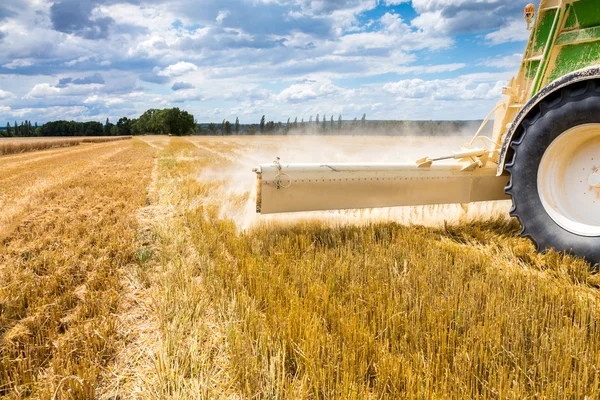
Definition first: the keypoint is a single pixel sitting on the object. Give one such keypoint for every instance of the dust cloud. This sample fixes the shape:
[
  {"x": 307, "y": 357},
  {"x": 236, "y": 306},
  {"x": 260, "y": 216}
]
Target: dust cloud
[{"x": 237, "y": 195}]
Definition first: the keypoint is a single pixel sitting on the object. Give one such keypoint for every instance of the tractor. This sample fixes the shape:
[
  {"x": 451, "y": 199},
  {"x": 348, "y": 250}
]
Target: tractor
[{"x": 543, "y": 154}]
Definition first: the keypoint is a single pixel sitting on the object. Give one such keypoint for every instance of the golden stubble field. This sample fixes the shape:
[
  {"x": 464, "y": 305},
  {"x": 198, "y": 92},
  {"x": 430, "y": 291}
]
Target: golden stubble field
[
  {"x": 136, "y": 269},
  {"x": 24, "y": 145}
]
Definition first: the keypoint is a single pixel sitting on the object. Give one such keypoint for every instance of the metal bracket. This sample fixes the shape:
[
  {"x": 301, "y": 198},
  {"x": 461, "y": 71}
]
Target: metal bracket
[{"x": 278, "y": 181}]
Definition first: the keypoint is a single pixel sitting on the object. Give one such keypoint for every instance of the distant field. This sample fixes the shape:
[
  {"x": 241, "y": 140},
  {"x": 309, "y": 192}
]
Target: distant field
[
  {"x": 137, "y": 269},
  {"x": 24, "y": 145},
  {"x": 57, "y": 138}
]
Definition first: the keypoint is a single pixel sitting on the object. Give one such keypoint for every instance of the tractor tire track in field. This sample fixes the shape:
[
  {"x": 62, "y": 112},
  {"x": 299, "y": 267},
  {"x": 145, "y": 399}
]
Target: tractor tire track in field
[
  {"x": 12, "y": 170},
  {"x": 153, "y": 143},
  {"x": 20, "y": 159},
  {"x": 13, "y": 212},
  {"x": 128, "y": 373},
  {"x": 59, "y": 276},
  {"x": 213, "y": 151},
  {"x": 165, "y": 342}
]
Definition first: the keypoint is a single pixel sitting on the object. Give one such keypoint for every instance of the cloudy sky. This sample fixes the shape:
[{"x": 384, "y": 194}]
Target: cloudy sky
[{"x": 391, "y": 59}]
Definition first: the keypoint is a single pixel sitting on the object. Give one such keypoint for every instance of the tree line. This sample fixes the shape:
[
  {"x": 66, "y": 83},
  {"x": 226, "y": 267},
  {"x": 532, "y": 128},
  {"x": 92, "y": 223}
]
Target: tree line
[
  {"x": 321, "y": 125},
  {"x": 24, "y": 130},
  {"x": 159, "y": 122},
  {"x": 264, "y": 127},
  {"x": 179, "y": 122}
]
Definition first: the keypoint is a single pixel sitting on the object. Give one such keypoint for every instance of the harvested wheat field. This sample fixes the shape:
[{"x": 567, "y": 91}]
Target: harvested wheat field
[
  {"x": 137, "y": 269},
  {"x": 24, "y": 145}
]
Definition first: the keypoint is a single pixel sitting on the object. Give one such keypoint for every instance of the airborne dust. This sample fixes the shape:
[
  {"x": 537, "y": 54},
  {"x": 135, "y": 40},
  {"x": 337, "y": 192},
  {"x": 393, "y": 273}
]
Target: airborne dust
[{"x": 237, "y": 194}]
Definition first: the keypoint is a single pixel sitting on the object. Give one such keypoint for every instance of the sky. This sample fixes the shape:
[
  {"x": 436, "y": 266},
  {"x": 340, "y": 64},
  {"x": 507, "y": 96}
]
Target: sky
[{"x": 90, "y": 60}]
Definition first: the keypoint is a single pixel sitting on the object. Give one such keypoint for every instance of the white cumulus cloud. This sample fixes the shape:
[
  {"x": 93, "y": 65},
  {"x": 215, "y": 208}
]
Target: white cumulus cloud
[
  {"x": 511, "y": 62},
  {"x": 221, "y": 16},
  {"x": 515, "y": 31},
  {"x": 464, "y": 16},
  {"x": 109, "y": 101},
  {"x": 19, "y": 63},
  {"x": 5, "y": 95},
  {"x": 181, "y": 68},
  {"x": 394, "y": 2},
  {"x": 308, "y": 91},
  {"x": 462, "y": 88},
  {"x": 43, "y": 90},
  {"x": 275, "y": 57}
]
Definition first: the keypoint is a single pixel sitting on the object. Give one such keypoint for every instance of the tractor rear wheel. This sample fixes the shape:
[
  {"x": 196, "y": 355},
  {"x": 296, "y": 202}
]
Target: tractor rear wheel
[{"x": 555, "y": 173}]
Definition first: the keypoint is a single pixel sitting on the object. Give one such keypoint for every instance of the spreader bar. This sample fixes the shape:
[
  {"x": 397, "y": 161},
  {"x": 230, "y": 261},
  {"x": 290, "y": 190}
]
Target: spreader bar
[{"x": 311, "y": 187}]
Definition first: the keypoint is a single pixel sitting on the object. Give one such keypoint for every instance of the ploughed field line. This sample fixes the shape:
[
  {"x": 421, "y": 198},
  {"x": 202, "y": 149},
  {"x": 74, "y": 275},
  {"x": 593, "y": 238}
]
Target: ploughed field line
[
  {"x": 60, "y": 268},
  {"x": 25, "y": 183},
  {"x": 14, "y": 163}
]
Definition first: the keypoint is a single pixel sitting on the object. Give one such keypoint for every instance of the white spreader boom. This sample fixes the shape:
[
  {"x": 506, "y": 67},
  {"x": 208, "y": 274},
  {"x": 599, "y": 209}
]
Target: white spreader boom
[{"x": 311, "y": 187}]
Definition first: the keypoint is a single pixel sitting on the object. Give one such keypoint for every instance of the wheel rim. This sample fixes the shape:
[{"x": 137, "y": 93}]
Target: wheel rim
[{"x": 569, "y": 180}]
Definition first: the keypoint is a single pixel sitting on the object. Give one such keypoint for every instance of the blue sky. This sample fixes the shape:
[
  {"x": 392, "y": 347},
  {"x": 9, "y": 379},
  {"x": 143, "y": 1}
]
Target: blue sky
[{"x": 218, "y": 59}]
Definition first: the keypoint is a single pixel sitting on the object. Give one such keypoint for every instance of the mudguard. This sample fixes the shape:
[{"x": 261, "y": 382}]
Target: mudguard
[{"x": 589, "y": 73}]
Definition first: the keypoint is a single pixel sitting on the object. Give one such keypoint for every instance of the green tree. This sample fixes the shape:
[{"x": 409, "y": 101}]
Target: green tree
[
  {"x": 212, "y": 128},
  {"x": 16, "y": 129},
  {"x": 237, "y": 126},
  {"x": 262, "y": 124},
  {"x": 70, "y": 128},
  {"x": 252, "y": 129},
  {"x": 107, "y": 128},
  {"x": 227, "y": 128},
  {"x": 142, "y": 124},
  {"x": 339, "y": 126},
  {"x": 363, "y": 121},
  {"x": 317, "y": 122},
  {"x": 331, "y": 123},
  {"x": 296, "y": 123},
  {"x": 151, "y": 121},
  {"x": 288, "y": 126},
  {"x": 8, "y": 130},
  {"x": 177, "y": 122},
  {"x": 270, "y": 126},
  {"x": 124, "y": 126},
  {"x": 324, "y": 126}
]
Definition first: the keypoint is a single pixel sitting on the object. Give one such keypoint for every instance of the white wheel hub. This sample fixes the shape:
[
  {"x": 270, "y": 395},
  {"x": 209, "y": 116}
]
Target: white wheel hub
[
  {"x": 569, "y": 180},
  {"x": 594, "y": 180}
]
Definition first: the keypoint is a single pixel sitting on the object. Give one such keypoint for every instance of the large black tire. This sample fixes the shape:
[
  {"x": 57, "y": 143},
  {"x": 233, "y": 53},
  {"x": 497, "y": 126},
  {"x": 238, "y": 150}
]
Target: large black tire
[{"x": 571, "y": 107}]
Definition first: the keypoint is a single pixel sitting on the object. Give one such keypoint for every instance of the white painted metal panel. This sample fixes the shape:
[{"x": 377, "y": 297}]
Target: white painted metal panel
[{"x": 312, "y": 187}]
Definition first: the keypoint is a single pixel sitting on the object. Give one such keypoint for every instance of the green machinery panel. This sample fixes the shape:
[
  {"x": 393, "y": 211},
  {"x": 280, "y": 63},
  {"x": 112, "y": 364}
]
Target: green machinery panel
[{"x": 566, "y": 38}]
